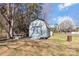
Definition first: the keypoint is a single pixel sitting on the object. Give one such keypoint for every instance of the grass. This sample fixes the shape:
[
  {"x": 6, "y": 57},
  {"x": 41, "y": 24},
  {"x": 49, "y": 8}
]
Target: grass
[
  {"x": 69, "y": 48},
  {"x": 56, "y": 45},
  {"x": 62, "y": 37},
  {"x": 58, "y": 38}
]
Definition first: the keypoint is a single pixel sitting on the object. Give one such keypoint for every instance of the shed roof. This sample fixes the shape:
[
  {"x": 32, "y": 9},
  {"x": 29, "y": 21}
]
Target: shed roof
[{"x": 47, "y": 25}]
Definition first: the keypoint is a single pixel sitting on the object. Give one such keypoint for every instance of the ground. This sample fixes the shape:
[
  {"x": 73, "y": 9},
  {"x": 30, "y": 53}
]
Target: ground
[{"x": 55, "y": 46}]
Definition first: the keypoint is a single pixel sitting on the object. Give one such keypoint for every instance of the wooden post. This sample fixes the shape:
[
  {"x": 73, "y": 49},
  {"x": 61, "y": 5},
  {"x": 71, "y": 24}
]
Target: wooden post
[{"x": 69, "y": 37}]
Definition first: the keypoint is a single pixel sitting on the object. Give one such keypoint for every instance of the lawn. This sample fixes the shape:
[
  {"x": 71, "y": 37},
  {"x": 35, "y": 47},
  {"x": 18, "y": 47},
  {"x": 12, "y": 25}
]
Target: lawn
[{"x": 53, "y": 46}]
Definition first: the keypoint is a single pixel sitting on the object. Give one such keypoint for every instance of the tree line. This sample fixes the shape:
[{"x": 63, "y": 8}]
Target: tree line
[{"x": 16, "y": 17}]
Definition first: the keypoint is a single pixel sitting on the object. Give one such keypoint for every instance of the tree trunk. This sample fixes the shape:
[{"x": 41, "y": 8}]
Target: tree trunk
[
  {"x": 12, "y": 18},
  {"x": 10, "y": 21},
  {"x": 69, "y": 37}
]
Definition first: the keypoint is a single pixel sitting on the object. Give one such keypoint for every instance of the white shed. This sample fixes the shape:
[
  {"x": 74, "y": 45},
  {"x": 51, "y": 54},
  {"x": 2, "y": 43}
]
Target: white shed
[{"x": 39, "y": 29}]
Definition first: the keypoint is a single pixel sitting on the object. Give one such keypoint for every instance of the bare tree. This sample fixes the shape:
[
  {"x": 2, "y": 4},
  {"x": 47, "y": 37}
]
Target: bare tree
[
  {"x": 67, "y": 25},
  {"x": 6, "y": 14},
  {"x": 14, "y": 17}
]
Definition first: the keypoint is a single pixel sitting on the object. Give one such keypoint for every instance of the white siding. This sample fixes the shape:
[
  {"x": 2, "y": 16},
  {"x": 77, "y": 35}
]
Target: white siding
[{"x": 38, "y": 29}]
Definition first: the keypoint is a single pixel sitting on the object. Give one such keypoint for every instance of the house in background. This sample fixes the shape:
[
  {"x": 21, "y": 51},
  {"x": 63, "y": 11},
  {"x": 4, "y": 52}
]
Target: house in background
[{"x": 39, "y": 29}]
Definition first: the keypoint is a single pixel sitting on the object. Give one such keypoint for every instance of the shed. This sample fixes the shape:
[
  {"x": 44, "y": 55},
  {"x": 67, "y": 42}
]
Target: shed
[{"x": 39, "y": 29}]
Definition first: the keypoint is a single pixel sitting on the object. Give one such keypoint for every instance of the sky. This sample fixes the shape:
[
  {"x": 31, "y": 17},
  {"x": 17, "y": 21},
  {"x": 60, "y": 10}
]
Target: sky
[{"x": 56, "y": 12}]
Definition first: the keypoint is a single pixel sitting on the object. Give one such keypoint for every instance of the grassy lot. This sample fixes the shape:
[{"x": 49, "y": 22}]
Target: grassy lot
[
  {"x": 62, "y": 37},
  {"x": 55, "y": 45}
]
